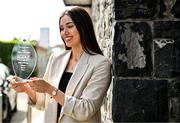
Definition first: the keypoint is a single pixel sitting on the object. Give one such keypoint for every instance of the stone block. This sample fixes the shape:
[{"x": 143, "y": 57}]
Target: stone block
[
  {"x": 166, "y": 40},
  {"x": 175, "y": 8},
  {"x": 132, "y": 49},
  {"x": 140, "y": 100},
  {"x": 174, "y": 101},
  {"x": 138, "y": 9}
]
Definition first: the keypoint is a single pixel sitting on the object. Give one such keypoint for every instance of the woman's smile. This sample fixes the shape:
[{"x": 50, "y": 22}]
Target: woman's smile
[{"x": 68, "y": 38}]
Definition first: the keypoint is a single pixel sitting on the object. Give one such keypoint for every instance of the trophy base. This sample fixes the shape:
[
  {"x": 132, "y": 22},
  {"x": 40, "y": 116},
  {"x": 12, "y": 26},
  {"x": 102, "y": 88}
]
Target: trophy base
[{"x": 22, "y": 80}]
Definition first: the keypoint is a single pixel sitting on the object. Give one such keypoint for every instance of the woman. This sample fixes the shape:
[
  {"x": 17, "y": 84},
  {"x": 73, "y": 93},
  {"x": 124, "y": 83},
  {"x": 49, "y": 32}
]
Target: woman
[{"x": 75, "y": 81}]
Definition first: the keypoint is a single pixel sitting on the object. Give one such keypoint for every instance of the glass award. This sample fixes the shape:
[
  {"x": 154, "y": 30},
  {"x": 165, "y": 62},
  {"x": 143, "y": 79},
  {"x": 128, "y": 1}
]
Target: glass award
[{"x": 24, "y": 59}]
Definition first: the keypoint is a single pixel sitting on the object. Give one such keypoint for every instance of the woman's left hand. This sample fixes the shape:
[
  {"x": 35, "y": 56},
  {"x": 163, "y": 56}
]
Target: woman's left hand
[{"x": 39, "y": 85}]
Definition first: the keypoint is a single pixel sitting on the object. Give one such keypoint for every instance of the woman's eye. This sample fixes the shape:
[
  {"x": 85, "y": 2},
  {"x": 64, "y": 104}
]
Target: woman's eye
[
  {"x": 70, "y": 26},
  {"x": 61, "y": 29}
]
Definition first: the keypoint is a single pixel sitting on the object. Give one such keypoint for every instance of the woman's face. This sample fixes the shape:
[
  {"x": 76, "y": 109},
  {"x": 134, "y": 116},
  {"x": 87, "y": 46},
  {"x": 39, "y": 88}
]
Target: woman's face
[{"x": 69, "y": 32}]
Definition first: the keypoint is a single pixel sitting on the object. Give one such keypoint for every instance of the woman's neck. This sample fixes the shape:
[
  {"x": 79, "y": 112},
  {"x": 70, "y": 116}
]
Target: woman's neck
[
  {"x": 75, "y": 56},
  {"x": 76, "y": 53}
]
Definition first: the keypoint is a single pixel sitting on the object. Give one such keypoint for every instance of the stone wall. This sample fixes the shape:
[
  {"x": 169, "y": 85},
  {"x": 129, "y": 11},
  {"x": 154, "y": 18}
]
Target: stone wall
[
  {"x": 103, "y": 18},
  {"x": 142, "y": 39}
]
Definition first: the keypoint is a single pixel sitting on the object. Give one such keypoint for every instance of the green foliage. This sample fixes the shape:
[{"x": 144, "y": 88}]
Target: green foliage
[{"x": 6, "y": 50}]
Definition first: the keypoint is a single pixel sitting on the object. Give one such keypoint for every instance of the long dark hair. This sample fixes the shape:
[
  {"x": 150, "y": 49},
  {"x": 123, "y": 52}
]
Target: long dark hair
[{"x": 84, "y": 25}]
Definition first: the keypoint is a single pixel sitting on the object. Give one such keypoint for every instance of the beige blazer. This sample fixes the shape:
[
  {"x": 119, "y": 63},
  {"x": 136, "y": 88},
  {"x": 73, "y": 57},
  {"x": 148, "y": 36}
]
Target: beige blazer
[{"x": 85, "y": 90}]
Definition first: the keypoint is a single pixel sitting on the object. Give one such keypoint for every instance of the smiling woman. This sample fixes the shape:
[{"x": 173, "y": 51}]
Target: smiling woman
[
  {"x": 24, "y": 18},
  {"x": 77, "y": 79}
]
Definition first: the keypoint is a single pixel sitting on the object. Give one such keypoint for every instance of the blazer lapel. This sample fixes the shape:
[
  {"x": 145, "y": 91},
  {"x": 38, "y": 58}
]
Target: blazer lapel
[
  {"x": 78, "y": 73},
  {"x": 63, "y": 63}
]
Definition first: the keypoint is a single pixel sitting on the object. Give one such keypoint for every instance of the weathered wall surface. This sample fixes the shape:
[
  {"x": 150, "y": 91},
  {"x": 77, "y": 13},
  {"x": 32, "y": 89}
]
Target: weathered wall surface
[{"x": 142, "y": 39}]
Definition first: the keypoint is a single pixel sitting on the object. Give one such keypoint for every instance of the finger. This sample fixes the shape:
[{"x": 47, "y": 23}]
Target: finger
[
  {"x": 18, "y": 83},
  {"x": 13, "y": 80},
  {"x": 33, "y": 88},
  {"x": 14, "y": 77},
  {"x": 32, "y": 78},
  {"x": 31, "y": 84},
  {"x": 17, "y": 89},
  {"x": 14, "y": 86}
]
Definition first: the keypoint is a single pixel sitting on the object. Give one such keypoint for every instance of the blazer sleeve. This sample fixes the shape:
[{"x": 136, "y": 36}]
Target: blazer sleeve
[
  {"x": 82, "y": 109},
  {"x": 40, "y": 97}
]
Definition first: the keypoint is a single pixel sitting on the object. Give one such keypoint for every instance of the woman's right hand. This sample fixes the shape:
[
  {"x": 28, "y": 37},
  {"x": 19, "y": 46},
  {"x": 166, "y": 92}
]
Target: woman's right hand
[
  {"x": 23, "y": 87},
  {"x": 19, "y": 86}
]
